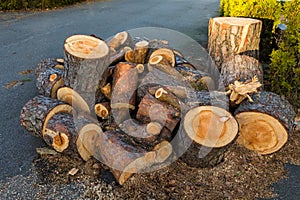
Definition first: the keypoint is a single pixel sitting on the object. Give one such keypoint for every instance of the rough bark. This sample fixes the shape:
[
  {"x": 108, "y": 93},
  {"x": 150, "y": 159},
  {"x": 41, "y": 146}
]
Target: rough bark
[
  {"x": 86, "y": 59},
  {"x": 266, "y": 123},
  {"x": 239, "y": 68},
  {"x": 232, "y": 36},
  {"x": 35, "y": 116},
  {"x": 120, "y": 40},
  {"x": 197, "y": 79},
  {"x": 49, "y": 77},
  {"x": 140, "y": 52}
]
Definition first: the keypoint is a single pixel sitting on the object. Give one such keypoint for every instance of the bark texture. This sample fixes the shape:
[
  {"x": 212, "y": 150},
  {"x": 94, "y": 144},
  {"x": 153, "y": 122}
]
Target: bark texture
[
  {"x": 49, "y": 77},
  {"x": 232, "y": 36},
  {"x": 239, "y": 68},
  {"x": 86, "y": 59}
]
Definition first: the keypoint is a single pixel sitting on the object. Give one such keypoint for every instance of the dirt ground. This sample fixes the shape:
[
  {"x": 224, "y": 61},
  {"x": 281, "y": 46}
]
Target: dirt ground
[{"x": 242, "y": 175}]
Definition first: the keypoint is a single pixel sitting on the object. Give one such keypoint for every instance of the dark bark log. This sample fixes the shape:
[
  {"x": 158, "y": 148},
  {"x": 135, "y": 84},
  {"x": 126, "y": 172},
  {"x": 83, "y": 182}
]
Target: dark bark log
[
  {"x": 35, "y": 116},
  {"x": 153, "y": 110},
  {"x": 197, "y": 79},
  {"x": 143, "y": 134},
  {"x": 232, "y": 36},
  {"x": 86, "y": 59},
  {"x": 266, "y": 123},
  {"x": 140, "y": 52},
  {"x": 120, "y": 40},
  {"x": 239, "y": 68},
  {"x": 49, "y": 77}
]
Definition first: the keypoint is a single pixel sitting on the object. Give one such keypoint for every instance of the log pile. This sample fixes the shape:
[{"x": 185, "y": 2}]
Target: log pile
[{"x": 135, "y": 105}]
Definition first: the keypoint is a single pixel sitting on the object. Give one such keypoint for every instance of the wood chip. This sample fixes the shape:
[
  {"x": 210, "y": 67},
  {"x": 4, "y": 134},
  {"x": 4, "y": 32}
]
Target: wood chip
[
  {"x": 73, "y": 171},
  {"x": 25, "y": 72},
  {"x": 13, "y": 83},
  {"x": 46, "y": 151}
]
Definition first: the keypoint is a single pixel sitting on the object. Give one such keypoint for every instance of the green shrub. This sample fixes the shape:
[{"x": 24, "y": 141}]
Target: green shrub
[
  {"x": 285, "y": 62},
  {"x": 34, "y": 4},
  {"x": 284, "y": 59}
]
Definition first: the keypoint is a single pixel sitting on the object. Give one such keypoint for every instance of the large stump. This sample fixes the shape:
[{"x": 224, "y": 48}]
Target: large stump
[
  {"x": 35, "y": 115},
  {"x": 266, "y": 123},
  {"x": 86, "y": 59},
  {"x": 233, "y": 35}
]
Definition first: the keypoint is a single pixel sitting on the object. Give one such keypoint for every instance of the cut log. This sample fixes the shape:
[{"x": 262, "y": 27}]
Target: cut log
[
  {"x": 232, "y": 36},
  {"x": 87, "y": 129},
  {"x": 49, "y": 77},
  {"x": 197, "y": 79},
  {"x": 124, "y": 158},
  {"x": 35, "y": 116},
  {"x": 144, "y": 134},
  {"x": 60, "y": 133},
  {"x": 239, "y": 68},
  {"x": 86, "y": 59},
  {"x": 153, "y": 110},
  {"x": 72, "y": 98},
  {"x": 140, "y": 52},
  {"x": 124, "y": 91},
  {"x": 120, "y": 40},
  {"x": 167, "y": 54},
  {"x": 209, "y": 130},
  {"x": 266, "y": 123},
  {"x": 103, "y": 109},
  {"x": 164, "y": 95}
]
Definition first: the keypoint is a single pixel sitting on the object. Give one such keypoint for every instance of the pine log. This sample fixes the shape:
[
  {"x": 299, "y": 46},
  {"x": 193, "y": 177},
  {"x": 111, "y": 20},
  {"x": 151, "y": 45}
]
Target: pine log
[
  {"x": 266, "y": 123},
  {"x": 35, "y": 116},
  {"x": 140, "y": 52},
  {"x": 124, "y": 91},
  {"x": 124, "y": 158},
  {"x": 49, "y": 77},
  {"x": 61, "y": 124},
  {"x": 143, "y": 134},
  {"x": 86, "y": 59},
  {"x": 230, "y": 36},
  {"x": 120, "y": 40},
  {"x": 197, "y": 79},
  {"x": 208, "y": 130},
  {"x": 152, "y": 110},
  {"x": 239, "y": 68},
  {"x": 166, "y": 53}
]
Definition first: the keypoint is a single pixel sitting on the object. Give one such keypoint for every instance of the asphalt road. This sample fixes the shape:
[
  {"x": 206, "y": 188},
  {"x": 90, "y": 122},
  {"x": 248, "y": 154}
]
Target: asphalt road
[{"x": 26, "y": 38}]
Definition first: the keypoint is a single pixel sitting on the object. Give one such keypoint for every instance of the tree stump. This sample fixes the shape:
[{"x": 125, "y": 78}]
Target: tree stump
[
  {"x": 239, "y": 68},
  {"x": 35, "y": 115},
  {"x": 266, "y": 123},
  {"x": 49, "y": 76},
  {"x": 232, "y": 36},
  {"x": 86, "y": 59}
]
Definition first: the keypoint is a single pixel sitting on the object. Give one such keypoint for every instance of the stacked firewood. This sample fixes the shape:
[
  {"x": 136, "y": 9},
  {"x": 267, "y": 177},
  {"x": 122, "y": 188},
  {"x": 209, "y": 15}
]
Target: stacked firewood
[{"x": 135, "y": 104}]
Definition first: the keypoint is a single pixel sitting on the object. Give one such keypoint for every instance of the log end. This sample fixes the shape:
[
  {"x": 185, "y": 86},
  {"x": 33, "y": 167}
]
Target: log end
[
  {"x": 87, "y": 47},
  {"x": 210, "y": 126},
  {"x": 261, "y": 132}
]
